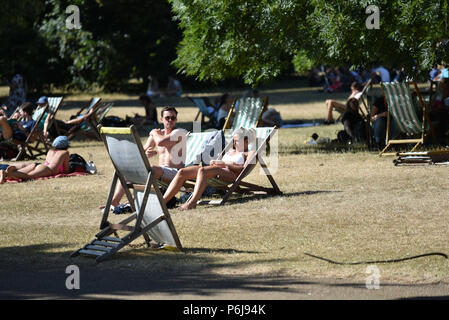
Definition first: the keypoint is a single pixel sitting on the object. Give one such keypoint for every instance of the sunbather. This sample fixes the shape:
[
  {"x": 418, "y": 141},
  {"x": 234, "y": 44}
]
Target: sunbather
[
  {"x": 57, "y": 162},
  {"x": 18, "y": 127},
  {"x": 331, "y": 105},
  {"x": 227, "y": 169}
]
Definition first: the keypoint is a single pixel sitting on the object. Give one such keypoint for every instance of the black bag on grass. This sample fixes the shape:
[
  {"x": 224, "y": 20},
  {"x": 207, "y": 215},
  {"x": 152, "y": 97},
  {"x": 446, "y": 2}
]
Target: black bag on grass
[{"x": 77, "y": 163}]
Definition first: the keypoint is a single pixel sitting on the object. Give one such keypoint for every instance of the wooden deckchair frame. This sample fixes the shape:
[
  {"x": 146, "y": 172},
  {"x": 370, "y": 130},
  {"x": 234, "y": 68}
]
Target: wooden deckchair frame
[
  {"x": 241, "y": 186},
  {"x": 231, "y": 113},
  {"x": 203, "y": 115},
  {"x": 26, "y": 149},
  {"x": 416, "y": 141},
  {"x": 94, "y": 101},
  {"x": 52, "y": 110},
  {"x": 91, "y": 123},
  {"x": 103, "y": 246}
]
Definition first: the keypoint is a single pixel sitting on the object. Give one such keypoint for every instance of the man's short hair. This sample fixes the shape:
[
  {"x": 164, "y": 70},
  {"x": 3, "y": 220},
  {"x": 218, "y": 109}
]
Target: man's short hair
[
  {"x": 168, "y": 109},
  {"x": 27, "y": 107}
]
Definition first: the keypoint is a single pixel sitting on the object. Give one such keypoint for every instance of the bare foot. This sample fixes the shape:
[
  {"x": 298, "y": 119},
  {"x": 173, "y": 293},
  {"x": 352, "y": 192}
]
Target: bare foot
[
  {"x": 187, "y": 206},
  {"x": 11, "y": 169},
  {"x": 2, "y": 176}
]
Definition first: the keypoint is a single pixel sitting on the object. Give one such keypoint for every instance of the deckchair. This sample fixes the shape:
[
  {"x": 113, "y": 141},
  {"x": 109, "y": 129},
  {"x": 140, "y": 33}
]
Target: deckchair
[
  {"x": 92, "y": 103},
  {"x": 202, "y": 103},
  {"x": 53, "y": 106},
  {"x": 35, "y": 144},
  {"x": 264, "y": 134},
  {"x": 401, "y": 108},
  {"x": 248, "y": 115},
  {"x": 152, "y": 220},
  {"x": 88, "y": 128}
]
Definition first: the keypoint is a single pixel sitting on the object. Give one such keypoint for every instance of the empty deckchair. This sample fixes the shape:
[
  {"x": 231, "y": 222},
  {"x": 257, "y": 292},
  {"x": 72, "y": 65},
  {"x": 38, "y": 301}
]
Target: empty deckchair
[
  {"x": 150, "y": 214},
  {"x": 264, "y": 134},
  {"x": 35, "y": 144},
  {"x": 88, "y": 129},
  {"x": 202, "y": 103},
  {"x": 248, "y": 114},
  {"x": 402, "y": 111},
  {"x": 92, "y": 103}
]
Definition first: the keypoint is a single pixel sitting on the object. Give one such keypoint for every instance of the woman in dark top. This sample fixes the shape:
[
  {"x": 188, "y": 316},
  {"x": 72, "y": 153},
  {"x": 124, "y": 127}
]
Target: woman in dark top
[{"x": 353, "y": 122}]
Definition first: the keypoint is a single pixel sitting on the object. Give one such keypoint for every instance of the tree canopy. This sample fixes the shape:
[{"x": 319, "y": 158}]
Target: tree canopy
[
  {"x": 257, "y": 39},
  {"x": 118, "y": 40}
]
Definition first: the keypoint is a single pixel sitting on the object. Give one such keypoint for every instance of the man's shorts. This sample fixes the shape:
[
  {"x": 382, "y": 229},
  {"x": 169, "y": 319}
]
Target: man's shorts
[{"x": 168, "y": 174}]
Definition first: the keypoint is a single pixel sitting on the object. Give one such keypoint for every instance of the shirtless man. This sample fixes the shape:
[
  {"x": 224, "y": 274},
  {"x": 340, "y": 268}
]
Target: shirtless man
[{"x": 170, "y": 144}]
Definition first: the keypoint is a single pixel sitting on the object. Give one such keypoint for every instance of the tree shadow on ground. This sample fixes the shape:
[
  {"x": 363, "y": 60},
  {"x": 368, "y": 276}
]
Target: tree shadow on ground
[{"x": 36, "y": 271}]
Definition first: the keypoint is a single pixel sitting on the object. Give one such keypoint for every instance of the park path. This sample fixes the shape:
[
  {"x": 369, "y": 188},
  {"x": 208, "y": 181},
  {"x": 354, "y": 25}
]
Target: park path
[{"x": 131, "y": 284}]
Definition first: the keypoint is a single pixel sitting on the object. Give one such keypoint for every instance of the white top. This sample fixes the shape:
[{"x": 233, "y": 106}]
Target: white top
[{"x": 236, "y": 158}]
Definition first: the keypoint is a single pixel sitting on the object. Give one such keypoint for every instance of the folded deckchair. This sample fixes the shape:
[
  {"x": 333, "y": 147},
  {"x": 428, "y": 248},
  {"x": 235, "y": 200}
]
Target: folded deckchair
[
  {"x": 88, "y": 128},
  {"x": 202, "y": 103},
  {"x": 247, "y": 113},
  {"x": 35, "y": 144},
  {"x": 150, "y": 214},
  {"x": 264, "y": 134},
  {"x": 402, "y": 110},
  {"x": 92, "y": 103}
]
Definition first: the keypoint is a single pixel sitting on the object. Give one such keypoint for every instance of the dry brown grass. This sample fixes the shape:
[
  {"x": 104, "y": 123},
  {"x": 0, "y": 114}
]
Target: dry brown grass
[{"x": 347, "y": 206}]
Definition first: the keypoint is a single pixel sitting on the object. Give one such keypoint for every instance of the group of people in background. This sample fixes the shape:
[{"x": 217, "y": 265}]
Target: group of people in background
[
  {"x": 355, "y": 126},
  {"x": 339, "y": 79}
]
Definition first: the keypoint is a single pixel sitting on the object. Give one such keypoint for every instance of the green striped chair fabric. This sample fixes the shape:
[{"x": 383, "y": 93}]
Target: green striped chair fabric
[
  {"x": 53, "y": 104},
  {"x": 101, "y": 112},
  {"x": 247, "y": 113},
  {"x": 195, "y": 141},
  {"x": 401, "y": 107}
]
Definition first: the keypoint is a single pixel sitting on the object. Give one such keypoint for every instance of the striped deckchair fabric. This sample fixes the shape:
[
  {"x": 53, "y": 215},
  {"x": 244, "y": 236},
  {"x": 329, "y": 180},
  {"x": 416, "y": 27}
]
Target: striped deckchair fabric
[
  {"x": 248, "y": 113},
  {"x": 53, "y": 104},
  {"x": 195, "y": 140},
  {"x": 402, "y": 109},
  {"x": 202, "y": 104},
  {"x": 400, "y": 105}
]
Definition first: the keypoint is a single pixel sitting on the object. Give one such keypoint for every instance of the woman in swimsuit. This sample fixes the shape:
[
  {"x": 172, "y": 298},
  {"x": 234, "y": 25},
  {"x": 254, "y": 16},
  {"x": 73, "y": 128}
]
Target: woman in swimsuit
[
  {"x": 227, "y": 169},
  {"x": 57, "y": 162}
]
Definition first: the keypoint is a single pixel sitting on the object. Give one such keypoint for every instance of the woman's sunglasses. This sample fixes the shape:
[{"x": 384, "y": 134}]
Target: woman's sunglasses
[{"x": 172, "y": 118}]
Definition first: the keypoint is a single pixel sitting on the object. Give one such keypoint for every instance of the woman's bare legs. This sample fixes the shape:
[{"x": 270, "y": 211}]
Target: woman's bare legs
[
  {"x": 6, "y": 128},
  {"x": 24, "y": 167},
  {"x": 330, "y": 106},
  {"x": 205, "y": 173},
  {"x": 39, "y": 171},
  {"x": 182, "y": 176}
]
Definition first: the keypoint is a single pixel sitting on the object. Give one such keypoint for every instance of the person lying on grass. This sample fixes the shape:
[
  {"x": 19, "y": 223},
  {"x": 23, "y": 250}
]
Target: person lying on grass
[
  {"x": 227, "y": 169},
  {"x": 57, "y": 162}
]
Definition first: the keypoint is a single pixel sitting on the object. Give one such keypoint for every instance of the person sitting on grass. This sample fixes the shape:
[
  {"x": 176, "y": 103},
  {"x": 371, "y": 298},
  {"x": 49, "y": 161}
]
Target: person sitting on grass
[
  {"x": 20, "y": 125},
  {"x": 227, "y": 169},
  {"x": 56, "y": 162},
  {"x": 331, "y": 105}
]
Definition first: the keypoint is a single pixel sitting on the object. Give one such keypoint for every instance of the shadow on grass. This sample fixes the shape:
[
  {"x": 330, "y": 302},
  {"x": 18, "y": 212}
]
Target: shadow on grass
[
  {"x": 37, "y": 271},
  {"x": 236, "y": 199}
]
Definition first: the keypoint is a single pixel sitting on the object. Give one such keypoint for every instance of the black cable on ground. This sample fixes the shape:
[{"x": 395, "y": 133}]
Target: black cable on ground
[{"x": 379, "y": 261}]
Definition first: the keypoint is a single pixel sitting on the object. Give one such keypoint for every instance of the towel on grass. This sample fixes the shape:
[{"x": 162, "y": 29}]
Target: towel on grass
[{"x": 62, "y": 175}]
